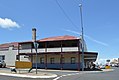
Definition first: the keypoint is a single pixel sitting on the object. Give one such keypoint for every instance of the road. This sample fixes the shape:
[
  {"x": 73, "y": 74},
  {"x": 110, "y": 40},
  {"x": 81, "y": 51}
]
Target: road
[
  {"x": 101, "y": 76},
  {"x": 114, "y": 75}
]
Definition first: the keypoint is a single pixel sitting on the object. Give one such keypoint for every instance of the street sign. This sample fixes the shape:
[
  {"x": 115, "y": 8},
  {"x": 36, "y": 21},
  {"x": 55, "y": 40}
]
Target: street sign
[{"x": 36, "y": 45}]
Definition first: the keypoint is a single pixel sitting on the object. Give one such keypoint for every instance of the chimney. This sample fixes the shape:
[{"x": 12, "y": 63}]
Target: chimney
[{"x": 33, "y": 34}]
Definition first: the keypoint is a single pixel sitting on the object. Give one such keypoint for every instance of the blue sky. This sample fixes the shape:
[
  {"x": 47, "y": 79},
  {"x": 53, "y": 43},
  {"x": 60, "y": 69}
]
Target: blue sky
[{"x": 100, "y": 18}]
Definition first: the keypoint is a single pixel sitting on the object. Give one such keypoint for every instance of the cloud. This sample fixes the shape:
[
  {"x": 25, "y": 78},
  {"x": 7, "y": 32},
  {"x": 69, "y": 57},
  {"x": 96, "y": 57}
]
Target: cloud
[
  {"x": 101, "y": 61},
  {"x": 8, "y": 23},
  {"x": 104, "y": 61},
  {"x": 92, "y": 39},
  {"x": 99, "y": 42}
]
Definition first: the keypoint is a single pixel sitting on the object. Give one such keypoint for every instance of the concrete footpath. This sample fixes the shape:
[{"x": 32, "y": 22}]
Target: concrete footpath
[
  {"x": 25, "y": 74},
  {"x": 41, "y": 73}
]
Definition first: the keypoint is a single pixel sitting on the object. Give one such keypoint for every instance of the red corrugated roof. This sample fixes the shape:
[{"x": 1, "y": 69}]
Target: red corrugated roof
[
  {"x": 58, "y": 38},
  {"x": 9, "y": 44},
  {"x": 25, "y": 42}
]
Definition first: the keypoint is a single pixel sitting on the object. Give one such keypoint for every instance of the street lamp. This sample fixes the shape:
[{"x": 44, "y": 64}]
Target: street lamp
[{"x": 82, "y": 36}]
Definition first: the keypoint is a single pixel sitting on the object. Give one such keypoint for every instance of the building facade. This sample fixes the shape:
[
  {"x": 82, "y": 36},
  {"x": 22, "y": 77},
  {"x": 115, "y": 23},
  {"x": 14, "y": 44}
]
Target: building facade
[
  {"x": 8, "y": 53},
  {"x": 61, "y": 52}
]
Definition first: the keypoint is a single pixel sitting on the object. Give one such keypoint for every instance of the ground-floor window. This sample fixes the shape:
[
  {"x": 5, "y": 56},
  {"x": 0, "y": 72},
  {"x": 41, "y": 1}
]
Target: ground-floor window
[
  {"x": 2, "y": 57},
  {"x": 42, "y": 60},
  {"x": 62, "y": 60},
  {"x": 73, "y": 60},
  {"x": 52, "y": 60},
  {"x": 17, "y": 57}
]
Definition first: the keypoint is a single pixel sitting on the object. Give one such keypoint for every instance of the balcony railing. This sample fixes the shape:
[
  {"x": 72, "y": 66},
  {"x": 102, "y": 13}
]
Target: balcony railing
[
  {"x": 43, "y": 50},
  {"x": 69, "y": 49},
  {"x": 25, "y": 51},
  {"x": 53, "y": 49}
]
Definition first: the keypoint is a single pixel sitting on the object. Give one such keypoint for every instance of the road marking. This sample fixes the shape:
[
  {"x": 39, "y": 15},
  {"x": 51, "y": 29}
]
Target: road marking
[
  {"x": 80, "y": 73},
  {"x": 65, "y": 76},
  {"x": 57, "y": 78}
]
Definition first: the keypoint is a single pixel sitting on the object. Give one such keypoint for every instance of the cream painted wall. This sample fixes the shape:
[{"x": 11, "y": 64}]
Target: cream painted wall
[
  {"x": 56, "y": 57},
  {"x": 38, "y": 58},
  {"x": 10, "y": 56},
  {"x": 68, "y": 57}
]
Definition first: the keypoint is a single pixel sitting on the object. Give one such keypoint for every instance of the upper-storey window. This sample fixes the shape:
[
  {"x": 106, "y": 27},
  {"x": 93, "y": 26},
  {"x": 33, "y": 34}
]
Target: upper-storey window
[
  {"x": 70, "y": 43},
  {"x": 42, "y": 45},
  {"x": 25, "y": 46},
  {"x": 54, "y": 44},
  {"x": 57, "y": 44}
]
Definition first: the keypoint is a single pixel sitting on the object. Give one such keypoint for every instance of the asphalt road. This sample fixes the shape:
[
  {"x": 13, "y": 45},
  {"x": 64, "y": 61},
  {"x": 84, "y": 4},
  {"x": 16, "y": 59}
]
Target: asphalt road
[
  {"x": 101, "y": 76},
  {"x": 64, "y": 76},
  {"x": 114, "y": 75}
]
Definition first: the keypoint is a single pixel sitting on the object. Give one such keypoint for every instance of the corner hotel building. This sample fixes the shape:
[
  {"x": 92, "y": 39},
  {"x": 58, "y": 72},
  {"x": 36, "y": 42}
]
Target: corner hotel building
[{"x": 60, "y": 52}]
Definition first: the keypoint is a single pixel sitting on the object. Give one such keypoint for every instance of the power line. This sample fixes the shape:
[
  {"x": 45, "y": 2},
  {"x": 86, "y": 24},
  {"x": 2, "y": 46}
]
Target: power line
[
  {"x": 78, "y": 1},
  {"x": 66, "y": 14}
]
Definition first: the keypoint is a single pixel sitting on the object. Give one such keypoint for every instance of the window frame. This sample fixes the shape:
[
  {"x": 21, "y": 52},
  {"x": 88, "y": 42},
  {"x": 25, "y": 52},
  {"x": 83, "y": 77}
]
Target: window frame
[
  {"x": 52, "y": 60},
  {"x": 42, "y": 60},
  {"x": 62, "y": 60},
  {"x": 73, "y": 60}
]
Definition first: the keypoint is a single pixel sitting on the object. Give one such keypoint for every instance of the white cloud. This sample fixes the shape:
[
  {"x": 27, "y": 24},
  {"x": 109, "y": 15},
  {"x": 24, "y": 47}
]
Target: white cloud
[
  {"x": 8, "y": 23},
  {"x": 92, "y": 39},
  {"x": 101, "y": 61},
  {"x": 99, "y": 42}
]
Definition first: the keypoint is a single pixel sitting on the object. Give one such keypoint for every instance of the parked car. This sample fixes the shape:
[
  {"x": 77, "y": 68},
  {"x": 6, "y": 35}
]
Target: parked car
[
  {"x": 2, "y": 64},
  {"x": 117, "y": 65}
]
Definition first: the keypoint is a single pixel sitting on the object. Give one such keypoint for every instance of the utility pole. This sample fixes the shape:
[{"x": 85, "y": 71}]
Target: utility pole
[
  {"x": 35, "y": 44},
  {"x": 82, "y": 36}
]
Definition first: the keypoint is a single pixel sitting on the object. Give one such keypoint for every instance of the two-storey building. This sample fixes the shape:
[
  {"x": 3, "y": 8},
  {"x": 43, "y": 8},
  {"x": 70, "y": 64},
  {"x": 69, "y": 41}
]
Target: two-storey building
[{"x": 61, "y": 52}]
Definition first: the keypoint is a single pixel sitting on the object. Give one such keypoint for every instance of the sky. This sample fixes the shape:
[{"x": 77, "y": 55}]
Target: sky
[{"x": 62, "y": 17}]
